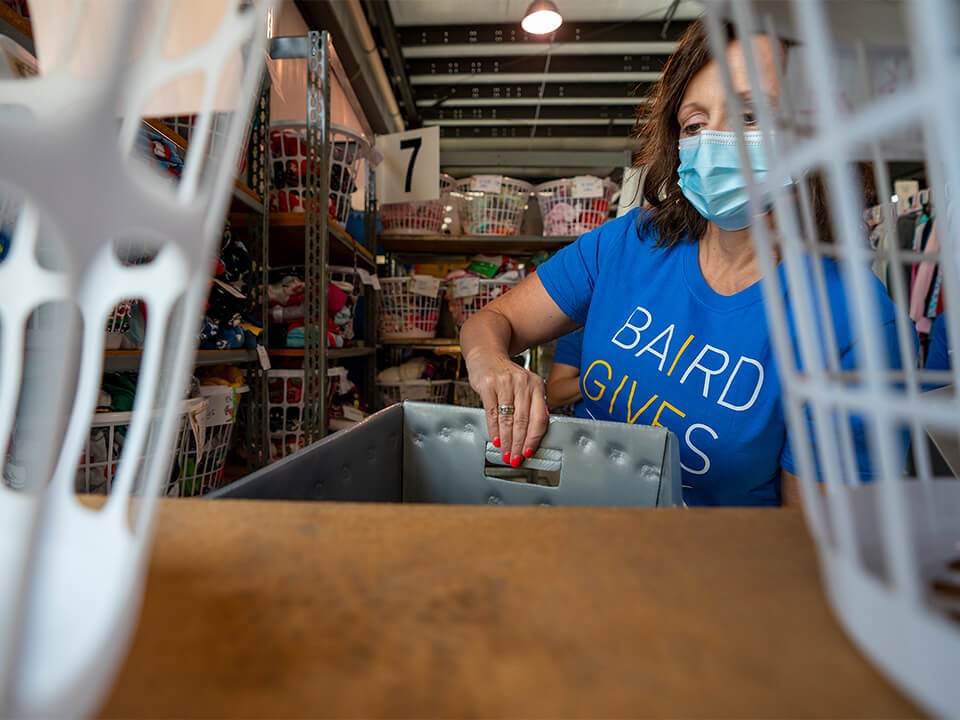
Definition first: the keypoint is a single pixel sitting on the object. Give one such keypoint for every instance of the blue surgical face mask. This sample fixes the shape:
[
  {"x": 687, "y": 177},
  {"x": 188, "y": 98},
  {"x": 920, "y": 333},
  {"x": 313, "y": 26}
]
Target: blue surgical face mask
[{"x": 711, "y": 177}]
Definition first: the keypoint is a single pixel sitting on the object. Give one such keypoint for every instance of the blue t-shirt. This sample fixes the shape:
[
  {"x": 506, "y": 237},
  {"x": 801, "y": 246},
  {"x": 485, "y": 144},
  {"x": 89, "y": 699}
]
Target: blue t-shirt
[
  {"x": 938, "y": 352},
  {"x": 661, "y": 347},
  {"x": 568, "y": 352}
]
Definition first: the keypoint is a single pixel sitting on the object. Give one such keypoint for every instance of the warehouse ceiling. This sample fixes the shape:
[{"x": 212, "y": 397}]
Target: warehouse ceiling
[
  {"x": 507, "y": 102},
  {"x": 511, "y": 103}
]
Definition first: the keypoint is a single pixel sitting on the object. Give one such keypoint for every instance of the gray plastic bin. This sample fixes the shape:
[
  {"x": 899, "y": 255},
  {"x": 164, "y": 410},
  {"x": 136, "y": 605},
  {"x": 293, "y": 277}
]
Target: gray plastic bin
[{"x": 427, "y": 453}]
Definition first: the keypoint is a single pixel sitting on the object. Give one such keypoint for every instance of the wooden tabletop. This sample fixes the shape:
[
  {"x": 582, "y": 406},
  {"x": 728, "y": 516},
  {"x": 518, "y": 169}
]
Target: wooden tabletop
[{"x": 257, "y": 609}]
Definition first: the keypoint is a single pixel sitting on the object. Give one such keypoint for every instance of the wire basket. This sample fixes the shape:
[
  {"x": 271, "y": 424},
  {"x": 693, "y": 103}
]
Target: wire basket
[
  {"x": 219, "y": 126},
  {"x": 103, "y": 448},
  {"x": 488, "y": 289},
  {"x": 285, "y": 412},
  {"x": 887, "y": 534},
  {"x": 288, "y": 160},
  {"x": 404, "y": 312},
  {"x": 491, "y": 207},
  {"x": 431, "y": 391},
  {"x": 465, "y": 396},
  {"x": 573, "y": 206},
  {"x": 418, "y": 218},
  {"x": 201, "y": 466}
]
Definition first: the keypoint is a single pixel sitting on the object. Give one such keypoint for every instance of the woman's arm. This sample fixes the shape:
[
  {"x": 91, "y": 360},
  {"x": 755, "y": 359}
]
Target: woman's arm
[
  {"x": 790, "y": 490},
  {"x": 563, "y": 385},
  {"x": 515, "y": 321}
]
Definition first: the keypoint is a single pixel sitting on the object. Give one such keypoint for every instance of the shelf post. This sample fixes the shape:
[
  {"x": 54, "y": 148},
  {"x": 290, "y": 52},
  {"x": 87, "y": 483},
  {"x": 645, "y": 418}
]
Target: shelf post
[{"x": 317, "y": 201}]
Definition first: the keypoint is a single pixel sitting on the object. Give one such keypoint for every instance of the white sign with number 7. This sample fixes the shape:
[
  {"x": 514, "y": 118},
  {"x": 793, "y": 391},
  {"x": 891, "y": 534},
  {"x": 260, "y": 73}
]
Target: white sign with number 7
[{"x": 410, "y": 171}]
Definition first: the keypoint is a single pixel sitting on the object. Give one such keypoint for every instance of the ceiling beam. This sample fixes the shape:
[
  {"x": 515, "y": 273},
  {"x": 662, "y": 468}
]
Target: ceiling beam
[
  {"x": 569, "y": 32},
  {"x": 547, "y": 112},
  {"x": 559, "y": 64},
  {"x": 453, "y": 95},
  {"x": 545, "y": 131},
  {"x": 381, "y": 23}
]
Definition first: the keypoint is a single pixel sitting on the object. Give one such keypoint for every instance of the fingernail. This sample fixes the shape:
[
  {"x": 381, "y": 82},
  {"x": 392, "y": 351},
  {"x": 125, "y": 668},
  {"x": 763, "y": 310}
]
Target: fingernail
[
  {"x": 527, "y": 452},
  {"x": 515, "y": 462},
  {"x": 506, "y": 458},
  {"x": 496, "y": 442}
]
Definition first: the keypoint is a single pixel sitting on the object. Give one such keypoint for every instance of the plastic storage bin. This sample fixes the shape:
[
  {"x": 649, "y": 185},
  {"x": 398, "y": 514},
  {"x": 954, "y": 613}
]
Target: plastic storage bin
[
  {"x": 488, "y": 290},
  {"x": 418, "y": 218},
  {"x": 465, "y": 396},
  {"x": 431, "y": 391},
  {"x": 102, "y": 450},
  {"x": 405, "y": 312},
  {"x": 201, "y": 466},
  {"x": 422, "y": 453},
  {"x": 489, "y": 207},
  {"x": 288, "y": 163},
  {"x": 573, "y": 206},
  {"x": 219, "y": 126}
]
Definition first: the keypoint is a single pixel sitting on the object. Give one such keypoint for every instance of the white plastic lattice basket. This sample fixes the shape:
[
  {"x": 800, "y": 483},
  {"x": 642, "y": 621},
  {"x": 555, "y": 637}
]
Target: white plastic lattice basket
[
  {"x": 418, "y": 218},
  {"x": 573, "y": 206},
  {"x": 877, "y": 82},
  {"x": 409, "y": 307},
  {"x": 288, "y": 163},
  {"x": 431, "y": 391},
  {"x": 487, "y": 290},
  {"x": 465, "y": 396},
  {"x": 108, "y": 431},
  {"x": 201, "y": 465},
  {"x": 491, "y": 205},
  {"x": 285, "y": 412},
  {"x": 183, "y": 125}
]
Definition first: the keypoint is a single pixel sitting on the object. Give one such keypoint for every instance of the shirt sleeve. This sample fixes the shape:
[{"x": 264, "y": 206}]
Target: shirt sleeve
[
  {"x": 571, "y": 275},
  {"x": 938, "y": 357},
  {"x": 569, "y": 349}
]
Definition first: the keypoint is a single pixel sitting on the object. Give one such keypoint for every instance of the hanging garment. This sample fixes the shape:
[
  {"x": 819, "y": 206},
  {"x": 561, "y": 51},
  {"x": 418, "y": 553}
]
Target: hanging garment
[{"x": 922, "y": 282}]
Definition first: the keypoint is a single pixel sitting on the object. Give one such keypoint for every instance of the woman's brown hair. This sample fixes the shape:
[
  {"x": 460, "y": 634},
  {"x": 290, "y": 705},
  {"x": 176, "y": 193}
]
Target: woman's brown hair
[
  {"x": 671, "y": 213},
  {"x": 673, "y": 216}
]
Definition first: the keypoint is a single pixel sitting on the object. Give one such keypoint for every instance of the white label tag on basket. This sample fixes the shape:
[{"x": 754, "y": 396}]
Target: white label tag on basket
[
  {"x": 351, "y": 413},
  {"x": 587, "y": 186},
  {"x": 368, "y": 279},
  {"x": 487, "y": 183},
  {"x": 264, "y": 357},
  {"x": 465, "y": 287},
  {"x": 343, "y": 382},
  {"x": 425, "y": 285}
]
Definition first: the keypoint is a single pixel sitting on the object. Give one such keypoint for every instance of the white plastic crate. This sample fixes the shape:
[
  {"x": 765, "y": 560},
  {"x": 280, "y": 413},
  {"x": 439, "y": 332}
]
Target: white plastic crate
[
  {"x": 418, "y": 218},
  {"x": 491, "y": 205},
  {"x": 573, "y": 206},
  {"x": 104, "y": 445},
  {"x": 404, "y": 312},
  {"x": 488, "y": 289},
  {"x": 465, "y": 396},
  {"x": 288, "y": 168},
  {"x": 863, "y": 81},
  {"x": 201, "y": 465},
  {"x": 434, "y": 391}
]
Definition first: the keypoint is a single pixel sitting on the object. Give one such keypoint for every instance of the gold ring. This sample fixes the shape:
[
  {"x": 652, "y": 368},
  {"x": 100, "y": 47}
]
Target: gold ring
[{"x": 505, "y": 409}]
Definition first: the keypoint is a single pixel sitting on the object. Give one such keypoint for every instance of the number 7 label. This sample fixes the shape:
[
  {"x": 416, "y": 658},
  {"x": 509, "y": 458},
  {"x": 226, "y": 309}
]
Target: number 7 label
[{"x": 410, "y": 171}]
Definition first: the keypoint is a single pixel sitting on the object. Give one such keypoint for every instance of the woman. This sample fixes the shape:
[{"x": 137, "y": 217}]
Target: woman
[{"x": 669, "y": 298}]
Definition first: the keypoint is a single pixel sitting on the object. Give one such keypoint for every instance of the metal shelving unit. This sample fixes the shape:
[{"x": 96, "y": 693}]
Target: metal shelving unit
[{"x": 322, "y": 238}]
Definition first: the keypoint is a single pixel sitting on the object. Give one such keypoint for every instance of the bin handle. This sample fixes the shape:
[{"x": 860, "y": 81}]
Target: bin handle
[{"x": 545, "y": 459}]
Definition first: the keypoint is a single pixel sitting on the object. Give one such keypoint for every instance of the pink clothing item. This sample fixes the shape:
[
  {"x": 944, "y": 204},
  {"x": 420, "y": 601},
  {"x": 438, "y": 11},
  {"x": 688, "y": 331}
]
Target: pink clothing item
[{"x": 921, "y": 285}]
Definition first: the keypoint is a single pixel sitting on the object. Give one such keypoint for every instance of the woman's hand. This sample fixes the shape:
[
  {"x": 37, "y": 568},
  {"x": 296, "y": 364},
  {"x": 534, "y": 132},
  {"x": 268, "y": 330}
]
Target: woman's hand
[{"x": 513, "y": 399}]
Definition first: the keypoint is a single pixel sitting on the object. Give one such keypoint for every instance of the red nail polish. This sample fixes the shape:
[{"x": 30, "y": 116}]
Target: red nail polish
[
  {"x": 496, "y": 442},
  {"x": 515, "y": 462},
  {"x": 527, "y": 452},
  {"x": 506, "y": 458}
]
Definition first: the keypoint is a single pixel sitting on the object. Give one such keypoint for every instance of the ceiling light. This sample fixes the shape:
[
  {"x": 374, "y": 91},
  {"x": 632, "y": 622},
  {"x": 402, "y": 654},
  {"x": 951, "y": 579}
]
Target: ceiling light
[{"x": 542, "y": 17}]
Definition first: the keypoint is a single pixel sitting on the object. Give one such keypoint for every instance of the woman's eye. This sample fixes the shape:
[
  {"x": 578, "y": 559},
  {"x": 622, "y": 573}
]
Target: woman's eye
[
  {"x": 749, "y": 118},
  {"x": 691, "y": 129}
]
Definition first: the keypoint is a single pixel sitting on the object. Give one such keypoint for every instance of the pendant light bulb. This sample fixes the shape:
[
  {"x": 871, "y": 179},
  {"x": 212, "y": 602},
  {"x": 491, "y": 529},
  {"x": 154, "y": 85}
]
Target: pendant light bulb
[{"x": 542, "y": 17}]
